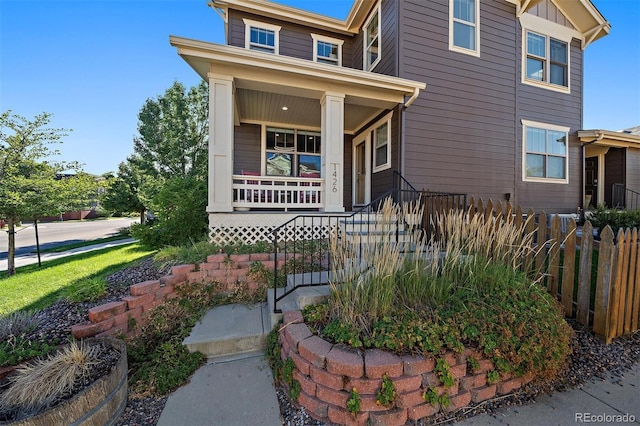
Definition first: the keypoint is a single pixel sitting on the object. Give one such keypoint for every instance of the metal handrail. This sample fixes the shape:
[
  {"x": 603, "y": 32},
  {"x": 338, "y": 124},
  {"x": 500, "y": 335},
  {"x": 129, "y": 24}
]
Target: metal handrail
[{"x": 625, "y": 198}]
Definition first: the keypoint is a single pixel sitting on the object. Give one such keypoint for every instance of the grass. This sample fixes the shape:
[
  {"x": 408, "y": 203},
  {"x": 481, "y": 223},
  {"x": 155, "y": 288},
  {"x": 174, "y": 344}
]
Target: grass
[
  {"x": 34, "y": 288},
  {"x": 79, "y": 244}
]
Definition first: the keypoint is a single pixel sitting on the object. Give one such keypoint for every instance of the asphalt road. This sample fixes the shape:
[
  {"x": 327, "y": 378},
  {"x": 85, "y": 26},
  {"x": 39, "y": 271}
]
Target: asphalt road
[{"x": 54, "y": 234}]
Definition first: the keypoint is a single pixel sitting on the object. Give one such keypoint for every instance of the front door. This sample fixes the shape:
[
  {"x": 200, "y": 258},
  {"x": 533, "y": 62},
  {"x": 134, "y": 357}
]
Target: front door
[
  {"x": 361, "y": 177},
  {"x": 591, "y": 180}
]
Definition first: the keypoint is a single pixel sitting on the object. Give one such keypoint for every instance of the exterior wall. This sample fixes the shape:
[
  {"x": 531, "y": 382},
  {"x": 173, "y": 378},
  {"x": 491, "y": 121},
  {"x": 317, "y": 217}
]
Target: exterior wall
[
  {"x": 550, "y": 107},
  {"x": 246, "y": 149},
  {"x": 614, "y": 171},
  {"x": 382, "y": 181},
  {"x": 295, "y": 40},
  {"x": 459, "y": 134},
  {"x": 633, "y": 169}
]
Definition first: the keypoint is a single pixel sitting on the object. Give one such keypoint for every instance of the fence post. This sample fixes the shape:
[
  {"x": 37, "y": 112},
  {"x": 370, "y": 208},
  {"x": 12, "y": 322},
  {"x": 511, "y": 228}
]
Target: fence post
[
  {"x": 635, "y": 259},
  {"x": 606, "y": 264},
  {"x": 624, "y": 282},
  {"x": 554, "y": 256},
  {"x": 568, "y": 268},
  {"x": 614, "y": 304},
  {"x": 584, "y": 279}
]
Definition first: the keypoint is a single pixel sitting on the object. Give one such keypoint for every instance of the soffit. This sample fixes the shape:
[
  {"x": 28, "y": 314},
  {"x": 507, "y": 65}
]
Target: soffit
[{"x": 609, "y": 138}]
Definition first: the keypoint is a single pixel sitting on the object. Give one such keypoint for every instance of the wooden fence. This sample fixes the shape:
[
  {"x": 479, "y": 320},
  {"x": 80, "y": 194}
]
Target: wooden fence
[{"x": 604, "y": 294}]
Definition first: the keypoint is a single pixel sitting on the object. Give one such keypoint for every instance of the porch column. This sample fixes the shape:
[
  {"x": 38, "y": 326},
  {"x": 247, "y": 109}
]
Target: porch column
[
  {"x": 220, "y": 143},
  {"x": 332, "y": 106}
]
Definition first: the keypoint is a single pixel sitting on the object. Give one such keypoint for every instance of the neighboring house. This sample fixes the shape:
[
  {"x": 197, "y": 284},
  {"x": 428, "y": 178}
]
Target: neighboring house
[
  {"x": 612, "y": 167},
  {"x": 482, "y": 97}
]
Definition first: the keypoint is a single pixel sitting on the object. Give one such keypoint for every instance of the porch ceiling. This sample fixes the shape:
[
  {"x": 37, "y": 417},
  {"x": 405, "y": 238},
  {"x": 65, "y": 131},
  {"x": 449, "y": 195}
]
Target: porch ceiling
[{"x": 265, "y": 83}]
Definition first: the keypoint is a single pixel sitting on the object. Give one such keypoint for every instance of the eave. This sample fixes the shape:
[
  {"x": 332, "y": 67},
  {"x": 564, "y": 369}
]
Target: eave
[
  {"x": 582, "y": 14},
  {"x": 609, "y": 138},
  {"x": 350, "y": 26}
]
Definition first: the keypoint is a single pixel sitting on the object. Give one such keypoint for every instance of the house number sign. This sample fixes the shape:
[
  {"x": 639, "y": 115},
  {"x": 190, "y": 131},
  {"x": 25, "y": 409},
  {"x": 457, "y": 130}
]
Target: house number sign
[{"x": 334, "y": 178}]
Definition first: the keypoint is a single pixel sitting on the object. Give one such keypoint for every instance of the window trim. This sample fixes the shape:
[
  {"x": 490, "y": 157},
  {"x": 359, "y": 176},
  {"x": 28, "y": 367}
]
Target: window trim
[
  {"x": 544, "y": 126},
  {"x": 365, "y": 57},
  {"x": 452, "y": 46},
  {"x": 249, "y": 23},
  {"x": 549, "y": 30},
  {"x": 547, "y": 61},
  {"x": 317, "y": 37},
  {"x": 295, "y": 153},
  {"x": 372, "y": 129}
]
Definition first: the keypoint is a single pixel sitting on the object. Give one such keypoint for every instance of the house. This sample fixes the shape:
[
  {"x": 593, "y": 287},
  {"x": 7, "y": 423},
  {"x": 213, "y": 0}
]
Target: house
[
  {"x": 481, "y": 97},
  {"x": 612, "y": 167}
]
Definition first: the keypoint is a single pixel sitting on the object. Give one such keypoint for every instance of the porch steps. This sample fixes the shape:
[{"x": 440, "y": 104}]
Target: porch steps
[
  {"x": 303, "y": 296},
  {"x": 230, "y": 330}
]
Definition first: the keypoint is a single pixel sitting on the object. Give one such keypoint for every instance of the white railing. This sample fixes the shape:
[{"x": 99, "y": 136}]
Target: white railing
[{"x": 258, "y": 192}]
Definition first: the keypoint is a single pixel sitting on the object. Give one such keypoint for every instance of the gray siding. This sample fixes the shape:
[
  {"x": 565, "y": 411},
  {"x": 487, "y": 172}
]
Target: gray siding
[
  {"x": 547, "y": 10},
  {"x": 633, "y": 169},
  {"x": 459, "y": 134},
  {"x": 614, "y": 171},
  {"x": 246, "y": 148},
  {"x": 382, "y": 181},
  {"x": 295, "y": 40},
  {"x": 547, "y": 106}
]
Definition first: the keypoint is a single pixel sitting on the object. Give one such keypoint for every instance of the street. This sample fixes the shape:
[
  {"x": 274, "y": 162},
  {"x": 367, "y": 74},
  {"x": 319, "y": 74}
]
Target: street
[{"x": 53, "y": 234}]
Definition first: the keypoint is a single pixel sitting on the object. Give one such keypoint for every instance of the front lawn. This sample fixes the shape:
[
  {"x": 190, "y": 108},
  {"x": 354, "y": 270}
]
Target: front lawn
[{"x": 34, "y": 288}]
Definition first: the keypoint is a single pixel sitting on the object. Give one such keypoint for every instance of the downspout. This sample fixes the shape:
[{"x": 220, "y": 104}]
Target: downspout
[
  {"x": 599, "y": 136},
  {"x": 416, "y": 93}
]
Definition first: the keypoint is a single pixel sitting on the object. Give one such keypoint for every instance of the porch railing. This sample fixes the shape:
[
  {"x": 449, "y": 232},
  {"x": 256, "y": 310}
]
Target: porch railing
[
  {"x": 262, "y": 192},
  {"x": 624, "y": 198}
]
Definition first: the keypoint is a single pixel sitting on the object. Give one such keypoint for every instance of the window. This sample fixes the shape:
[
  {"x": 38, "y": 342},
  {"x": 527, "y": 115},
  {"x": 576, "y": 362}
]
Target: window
[
  {"x": 291, "y": 152},
  {"x": 327, "y": 50},
  {"x": 545, "y": 152},
  {"x": 261, "y": 37},
  {"x": 464, "y": 28},
  {"x": 372, "y": 44},
  {"x": 547, "y": 60},
  {"x": 382, "y": 144}
]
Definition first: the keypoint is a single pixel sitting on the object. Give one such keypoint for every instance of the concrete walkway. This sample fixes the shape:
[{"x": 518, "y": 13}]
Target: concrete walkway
[
  {"x": 226, "y": 391},
  {"x": 32, "y": 258}
]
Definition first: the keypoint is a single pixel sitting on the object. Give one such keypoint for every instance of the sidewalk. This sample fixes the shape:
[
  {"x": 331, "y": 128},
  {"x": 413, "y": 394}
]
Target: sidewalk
[{"x": 32, "y": 258}]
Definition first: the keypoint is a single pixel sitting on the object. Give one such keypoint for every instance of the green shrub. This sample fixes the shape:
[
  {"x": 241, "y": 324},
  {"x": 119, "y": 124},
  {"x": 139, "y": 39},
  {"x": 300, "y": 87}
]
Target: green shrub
[
  {"x": 354, "y": 401},
  {"x": 17, "y": 348},
  {"x": 180, "y": 205},
  {"x": 387, "y": 394},
  {"x": 616, "y": 219}
]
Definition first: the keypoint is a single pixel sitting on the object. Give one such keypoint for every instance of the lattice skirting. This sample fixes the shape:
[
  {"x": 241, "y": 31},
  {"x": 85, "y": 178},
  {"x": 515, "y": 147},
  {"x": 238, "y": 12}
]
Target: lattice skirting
[{"x": 251, "y": 227}]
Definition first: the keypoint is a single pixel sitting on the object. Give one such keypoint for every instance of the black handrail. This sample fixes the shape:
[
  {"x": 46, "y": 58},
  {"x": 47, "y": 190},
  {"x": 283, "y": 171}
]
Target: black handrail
[
  {"x": 624, "y": 198},
  {"x": 309, "y": 257}
]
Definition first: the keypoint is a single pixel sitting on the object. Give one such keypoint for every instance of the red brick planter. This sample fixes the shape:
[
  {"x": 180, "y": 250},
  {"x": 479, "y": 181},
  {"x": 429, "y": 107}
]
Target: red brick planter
[{"x": 327, "y": 373}]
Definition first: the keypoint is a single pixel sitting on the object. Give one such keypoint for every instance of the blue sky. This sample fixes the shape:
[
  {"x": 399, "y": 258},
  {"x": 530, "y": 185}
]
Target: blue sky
[{"x": 93, "y": 63}]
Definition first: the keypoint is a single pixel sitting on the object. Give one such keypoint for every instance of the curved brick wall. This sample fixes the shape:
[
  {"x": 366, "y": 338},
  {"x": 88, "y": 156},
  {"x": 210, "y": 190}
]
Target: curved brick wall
[{"x": 328, "y": 372}]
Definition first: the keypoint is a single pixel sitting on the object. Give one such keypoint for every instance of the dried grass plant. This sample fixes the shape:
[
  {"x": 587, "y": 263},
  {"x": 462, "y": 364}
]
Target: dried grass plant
[
  {"x": 371, "y": 278},
  {"x": 37, "y": 386}
]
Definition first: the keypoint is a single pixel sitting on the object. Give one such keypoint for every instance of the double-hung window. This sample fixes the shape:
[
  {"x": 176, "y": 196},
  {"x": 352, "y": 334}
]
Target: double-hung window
[
  {"x": 372, "y": 39},
  {"x": 545, "y": 152},
  {"x": 261, "y": 36},
  {"x": 327, "y": 50},
  {"x": 382, "y": 144},
  {"x": 292, "y": 152},
  {"x": 464, "y": 26},
  {"x": 547, "y": 60}
]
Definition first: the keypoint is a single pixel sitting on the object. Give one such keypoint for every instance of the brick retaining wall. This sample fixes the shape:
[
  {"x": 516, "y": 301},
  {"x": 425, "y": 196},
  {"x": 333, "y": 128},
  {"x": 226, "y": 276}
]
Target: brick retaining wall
[
  {"x": 328, "y": 372},
  {"x": 116, "y": 318}
]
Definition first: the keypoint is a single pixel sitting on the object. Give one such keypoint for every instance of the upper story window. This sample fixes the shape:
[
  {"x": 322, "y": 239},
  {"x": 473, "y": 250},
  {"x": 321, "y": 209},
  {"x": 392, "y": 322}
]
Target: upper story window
[
  {"x": 372, "y": 40},
  {"x": 327, "y": 50},
  {"x": 546, "y": 152},
  {"x": 262, "y": 37},
  {"x": 547, "y": 60},
  {"x": 464, "y": 26}
]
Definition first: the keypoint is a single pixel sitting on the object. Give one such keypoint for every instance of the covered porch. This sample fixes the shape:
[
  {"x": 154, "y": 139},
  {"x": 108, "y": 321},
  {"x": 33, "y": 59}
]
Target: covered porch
[{"x": 279, "y": 126}]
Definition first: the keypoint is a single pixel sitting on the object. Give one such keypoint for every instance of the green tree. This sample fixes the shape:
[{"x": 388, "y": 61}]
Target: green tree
[
  {"x": 174, "y": 131},
  {"x": 122, "y": 193},
  {"x": 171, "y": 154},
  {"x": 30, "y": 188}
]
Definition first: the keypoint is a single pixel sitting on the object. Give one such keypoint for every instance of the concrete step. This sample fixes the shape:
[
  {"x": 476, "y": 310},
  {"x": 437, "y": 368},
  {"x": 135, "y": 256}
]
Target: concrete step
[
  {"x": 301, "y": 297},
  {"x": 229, "y": 330}
]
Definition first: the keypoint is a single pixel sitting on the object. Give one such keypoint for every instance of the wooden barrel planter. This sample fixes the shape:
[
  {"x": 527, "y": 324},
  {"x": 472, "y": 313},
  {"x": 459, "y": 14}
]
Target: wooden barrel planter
[{"x": 101, "y": 403}]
